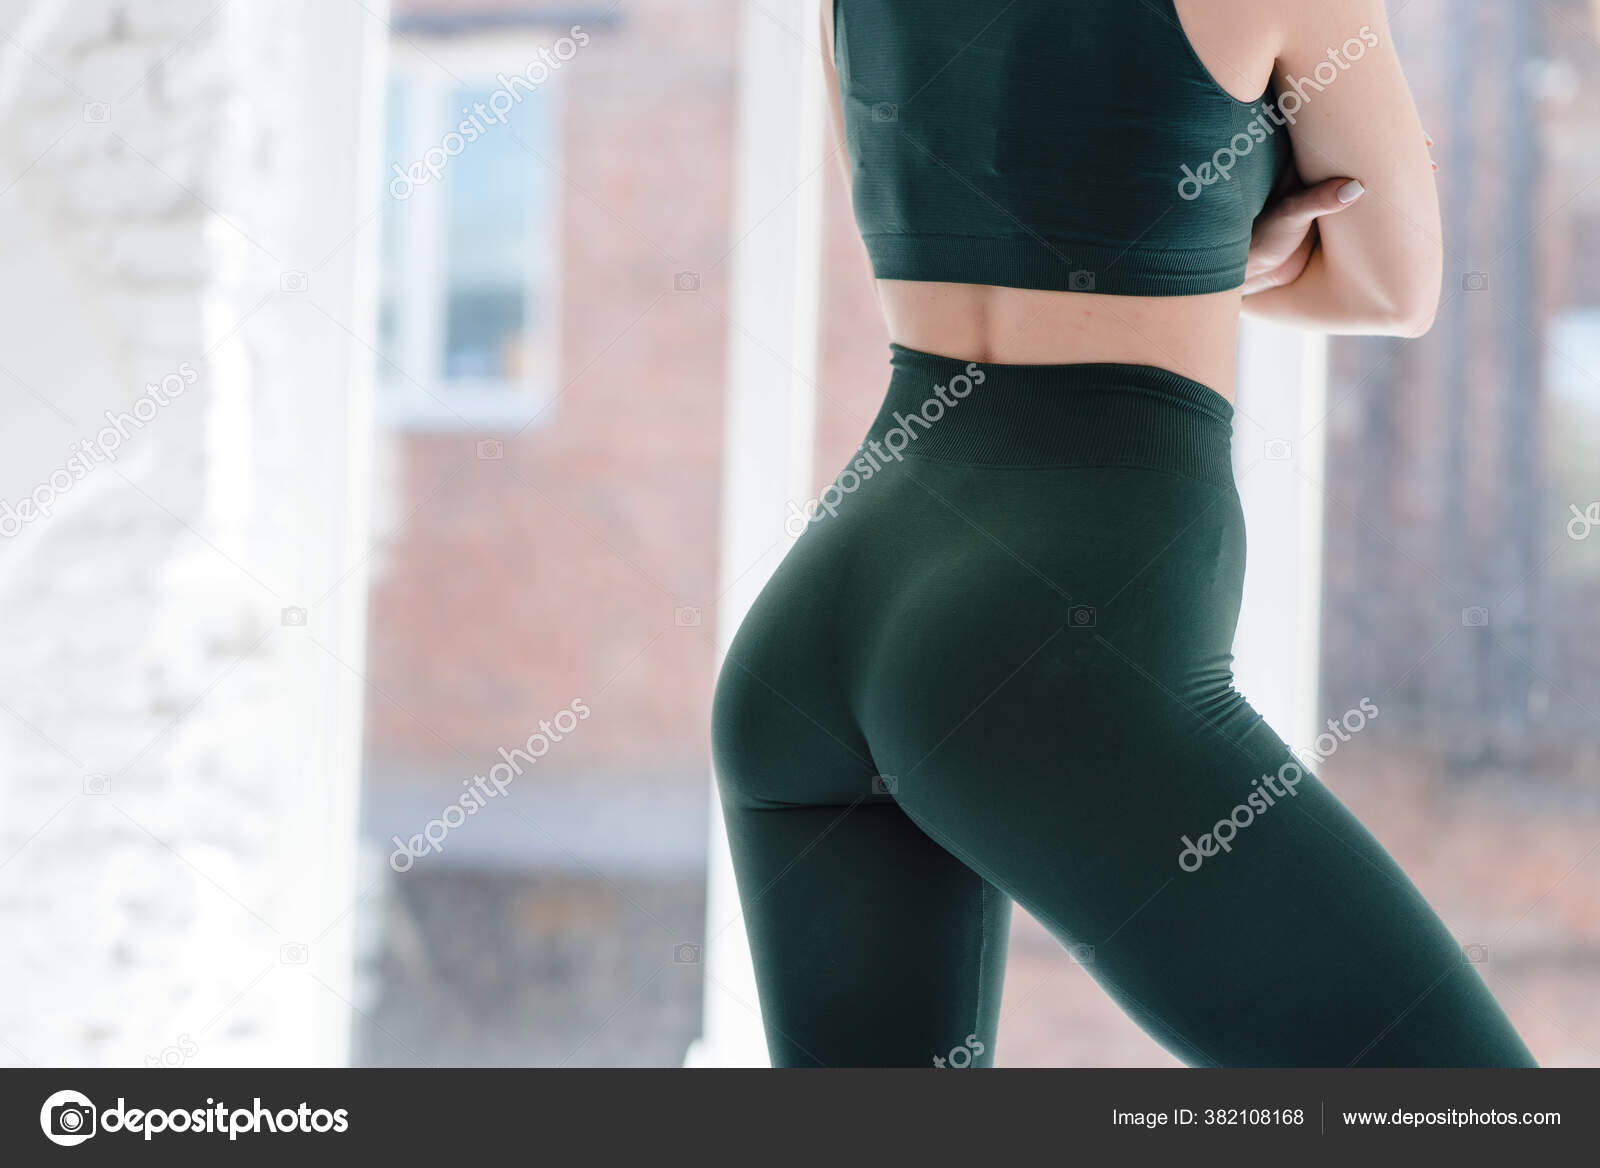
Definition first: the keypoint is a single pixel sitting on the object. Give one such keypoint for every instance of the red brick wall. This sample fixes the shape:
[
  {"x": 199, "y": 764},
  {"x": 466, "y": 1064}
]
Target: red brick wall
[{"x": 516, "y": 585}]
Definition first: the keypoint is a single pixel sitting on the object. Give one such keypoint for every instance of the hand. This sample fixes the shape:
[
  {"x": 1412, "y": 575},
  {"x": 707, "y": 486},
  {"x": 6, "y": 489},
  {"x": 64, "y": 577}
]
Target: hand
[{"x": 1285, "y": 234}]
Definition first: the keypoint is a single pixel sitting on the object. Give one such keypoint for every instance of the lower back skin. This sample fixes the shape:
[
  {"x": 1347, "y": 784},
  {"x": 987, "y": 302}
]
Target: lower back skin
[{"x": 1191, "y": 335}]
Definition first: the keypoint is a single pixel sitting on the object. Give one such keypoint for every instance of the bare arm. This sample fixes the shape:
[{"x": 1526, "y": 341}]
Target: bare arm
[
  {"x": 1376, "y": 267},
  {"x": 830, "y": 79}
]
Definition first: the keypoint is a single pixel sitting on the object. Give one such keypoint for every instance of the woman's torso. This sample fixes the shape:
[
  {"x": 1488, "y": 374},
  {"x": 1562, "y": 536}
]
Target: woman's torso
[{"x": 998, "y": 108}]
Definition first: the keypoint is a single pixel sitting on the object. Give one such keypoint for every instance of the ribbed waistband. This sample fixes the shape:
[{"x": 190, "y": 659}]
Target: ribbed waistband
[{"x": 1099, "y": 414}]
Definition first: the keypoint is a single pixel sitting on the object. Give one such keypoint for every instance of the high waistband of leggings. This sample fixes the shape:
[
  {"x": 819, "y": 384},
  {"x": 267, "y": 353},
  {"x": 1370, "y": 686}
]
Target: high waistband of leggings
[{"x": 1099, "y": 414}]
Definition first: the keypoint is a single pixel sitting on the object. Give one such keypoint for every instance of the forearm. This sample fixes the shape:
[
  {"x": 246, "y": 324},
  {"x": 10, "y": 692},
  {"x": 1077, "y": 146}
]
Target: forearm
[
  {"x": 1377, "y": 265},
  {"x": 1325, "y": 299}
]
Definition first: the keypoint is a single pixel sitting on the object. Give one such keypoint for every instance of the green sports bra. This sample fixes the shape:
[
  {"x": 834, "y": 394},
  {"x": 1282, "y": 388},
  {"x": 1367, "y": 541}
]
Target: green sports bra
[{"x": 1077, "y": 146}]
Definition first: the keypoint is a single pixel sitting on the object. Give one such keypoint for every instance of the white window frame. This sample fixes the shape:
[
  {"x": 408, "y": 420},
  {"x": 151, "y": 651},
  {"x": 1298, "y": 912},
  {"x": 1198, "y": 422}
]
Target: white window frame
[{"x": 413, "y": 393}]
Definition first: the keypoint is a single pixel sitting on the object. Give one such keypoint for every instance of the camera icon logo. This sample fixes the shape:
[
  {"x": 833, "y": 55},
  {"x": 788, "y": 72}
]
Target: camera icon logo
[
  {"x": 1277, "y": 450},
  {"x": 1081, "y": 954},
  {"x": 1476, "y": 617},
  {"x": 294, "y": 953},
  {"x": 96, "y": 112},
  {"x": 293, "y": 282},
  {"x": 686, "y": 282},
  {"x": 1080, "y": 281},
  {"x": 886, "y": 111},
  {"x": 686, "y": 616},
  {"x": 294, "y": 616},
  {"x": 67, "y": 1118},
  {"x": 1475, "y": 282},
  {"x": 97, "y": 784},
  {"x": 686, "y": 954},
  {"x": 1081, "y": 616},
  {"x": 885, "y": 785},
  {"x": 491, "y": 449},
  {"x": 1475, "y": 954}
]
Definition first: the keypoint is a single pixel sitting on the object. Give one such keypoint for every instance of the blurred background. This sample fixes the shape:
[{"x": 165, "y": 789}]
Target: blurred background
[{"x": 403, "y": 402}]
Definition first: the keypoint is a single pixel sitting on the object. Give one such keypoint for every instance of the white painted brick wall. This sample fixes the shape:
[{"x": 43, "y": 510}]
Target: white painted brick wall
[{"x": 144, "y": 640}]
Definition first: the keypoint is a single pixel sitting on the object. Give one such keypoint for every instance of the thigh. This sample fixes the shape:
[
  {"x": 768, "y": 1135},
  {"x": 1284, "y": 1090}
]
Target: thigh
[
  {"x": 1288, "y": 937},
  {"x": 873, "y": 946}
]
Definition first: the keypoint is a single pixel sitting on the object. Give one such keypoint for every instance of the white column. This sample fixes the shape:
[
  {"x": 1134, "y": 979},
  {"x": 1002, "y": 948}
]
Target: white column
[
  {"x": 180, "y": 710},
  {"x": 1278, "y": 458},
  {"x": 767, "y": 442}
]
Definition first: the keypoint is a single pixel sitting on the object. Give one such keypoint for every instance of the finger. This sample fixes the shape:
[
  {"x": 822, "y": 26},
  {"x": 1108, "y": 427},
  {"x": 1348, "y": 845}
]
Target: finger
[
  {"x": 1326, "y": 198},
  {"x": 1286, "y": 271}
]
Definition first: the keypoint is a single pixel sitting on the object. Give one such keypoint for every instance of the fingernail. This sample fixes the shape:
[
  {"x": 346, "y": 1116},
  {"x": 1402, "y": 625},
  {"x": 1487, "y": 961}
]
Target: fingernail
[
  {"x": 1351, "y": 191},
  {"x": 1427, "y": 137}
]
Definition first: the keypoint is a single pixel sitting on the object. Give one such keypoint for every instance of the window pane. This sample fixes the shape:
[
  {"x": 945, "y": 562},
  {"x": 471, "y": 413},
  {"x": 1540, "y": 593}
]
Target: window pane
[
  {"x": 493, "y": 202},
  {"x": 390, "y": 259}
]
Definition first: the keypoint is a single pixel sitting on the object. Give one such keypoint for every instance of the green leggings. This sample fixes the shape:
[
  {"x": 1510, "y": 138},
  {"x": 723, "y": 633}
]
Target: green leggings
[{"x": 996, "y": 667}]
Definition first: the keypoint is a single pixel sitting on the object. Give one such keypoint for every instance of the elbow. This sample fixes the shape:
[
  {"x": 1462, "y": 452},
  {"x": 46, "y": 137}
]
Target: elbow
[
  {"x": 1401, "y": 298},
  {"x": 1418, "y": 322},
  {"x": 1394, "y": 319},
  {"x": 1420, "y": 329},
  {"x": 1410, "y": 312},
  {"x": 1422, "y": 300}
]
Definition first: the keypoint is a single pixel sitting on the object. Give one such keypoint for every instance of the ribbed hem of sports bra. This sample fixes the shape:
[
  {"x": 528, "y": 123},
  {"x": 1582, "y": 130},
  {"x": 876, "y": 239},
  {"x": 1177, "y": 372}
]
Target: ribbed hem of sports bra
[{"x": 1054, "y": 265}]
